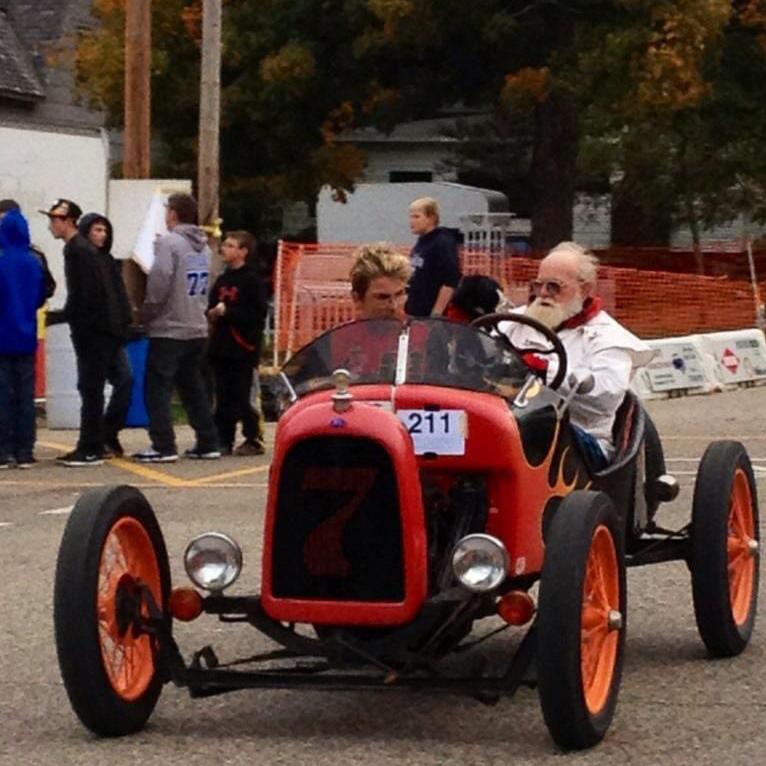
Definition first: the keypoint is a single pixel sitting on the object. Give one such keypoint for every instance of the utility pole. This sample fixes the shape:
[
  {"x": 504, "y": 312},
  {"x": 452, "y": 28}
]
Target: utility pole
[
  {"x": 209, "y": 121},
  {"x": 136, "y": 156},
  {"x": 137, "y": 132}
]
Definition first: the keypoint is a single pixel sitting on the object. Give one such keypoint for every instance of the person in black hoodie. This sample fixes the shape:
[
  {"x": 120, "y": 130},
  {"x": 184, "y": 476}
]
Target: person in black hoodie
[
  {"x": 98, "y": 230},
  {"x": 98, "y": 325},
  {"x": 236, "y": 310},
  {"x": 434, "y": 260}
]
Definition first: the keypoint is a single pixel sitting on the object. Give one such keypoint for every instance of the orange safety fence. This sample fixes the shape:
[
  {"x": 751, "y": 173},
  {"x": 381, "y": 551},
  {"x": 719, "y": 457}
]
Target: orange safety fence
[{"x": 312, "y": 290}]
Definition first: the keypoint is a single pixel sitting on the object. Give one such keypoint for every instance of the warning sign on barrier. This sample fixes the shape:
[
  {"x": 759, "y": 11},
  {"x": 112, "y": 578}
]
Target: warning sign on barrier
[
  {"x": 676, "y": 366},
  {"x": 730, "y": 360},
  {"x": 739, "y": 359}
]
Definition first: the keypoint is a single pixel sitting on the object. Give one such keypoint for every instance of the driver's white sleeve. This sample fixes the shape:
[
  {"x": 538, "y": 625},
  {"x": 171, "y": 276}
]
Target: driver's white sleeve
[{"x": 611, "y": 369}]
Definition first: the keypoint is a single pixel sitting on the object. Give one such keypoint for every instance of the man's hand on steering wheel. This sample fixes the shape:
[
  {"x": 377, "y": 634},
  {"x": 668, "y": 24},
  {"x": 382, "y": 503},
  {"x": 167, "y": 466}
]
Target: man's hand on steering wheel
[{"x": 493, "y": 321}]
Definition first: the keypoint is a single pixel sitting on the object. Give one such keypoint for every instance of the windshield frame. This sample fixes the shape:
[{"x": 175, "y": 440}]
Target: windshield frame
[{"x": 485, "y": 357}]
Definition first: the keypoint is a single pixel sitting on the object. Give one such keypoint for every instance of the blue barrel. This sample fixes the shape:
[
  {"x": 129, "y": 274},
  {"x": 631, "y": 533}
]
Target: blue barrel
[{"x": 137, "y": 350}]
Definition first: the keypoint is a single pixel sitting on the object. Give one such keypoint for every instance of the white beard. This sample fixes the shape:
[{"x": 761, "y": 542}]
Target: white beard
[{"x": 552, "y": 314}]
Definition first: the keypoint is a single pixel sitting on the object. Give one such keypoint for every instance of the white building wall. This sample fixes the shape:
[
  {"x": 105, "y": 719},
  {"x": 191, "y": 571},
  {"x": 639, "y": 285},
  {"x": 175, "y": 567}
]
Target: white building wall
[
  {"x": 382, "y": 159},
  {"x": 380, "y": 212},
  {"x": 38, "y": 166},
  {"x": 592, "y": 225},
  {"x": 735, "y": 233}
]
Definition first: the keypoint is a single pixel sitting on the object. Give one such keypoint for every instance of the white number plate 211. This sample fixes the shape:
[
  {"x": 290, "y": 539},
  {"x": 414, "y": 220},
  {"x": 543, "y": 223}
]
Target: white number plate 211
[{"x": 439, "y": 431}]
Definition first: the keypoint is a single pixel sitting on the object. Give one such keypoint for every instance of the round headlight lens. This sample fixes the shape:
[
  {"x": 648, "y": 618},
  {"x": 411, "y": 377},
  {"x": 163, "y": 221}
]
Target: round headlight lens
[
  {"x": 213, "y": 561},
  {"x": 480, "y": 562}
]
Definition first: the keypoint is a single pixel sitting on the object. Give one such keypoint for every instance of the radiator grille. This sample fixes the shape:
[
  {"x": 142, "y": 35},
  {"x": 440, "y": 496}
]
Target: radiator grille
[{"x": 338, "y": 533}]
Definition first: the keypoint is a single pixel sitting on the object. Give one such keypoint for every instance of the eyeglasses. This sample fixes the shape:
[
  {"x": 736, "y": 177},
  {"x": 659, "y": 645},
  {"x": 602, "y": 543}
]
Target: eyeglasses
[
  {"x": 396, "y": 297},
  {"x": 552, "y": 286}
]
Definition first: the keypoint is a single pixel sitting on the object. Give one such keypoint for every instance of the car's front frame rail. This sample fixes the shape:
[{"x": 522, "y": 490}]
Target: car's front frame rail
[{"x": 317, "y": 663}]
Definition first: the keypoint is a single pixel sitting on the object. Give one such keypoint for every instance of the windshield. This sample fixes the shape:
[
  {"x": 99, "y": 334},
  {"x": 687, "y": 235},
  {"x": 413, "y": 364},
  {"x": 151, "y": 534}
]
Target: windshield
[{"x": 425, "y": 351}]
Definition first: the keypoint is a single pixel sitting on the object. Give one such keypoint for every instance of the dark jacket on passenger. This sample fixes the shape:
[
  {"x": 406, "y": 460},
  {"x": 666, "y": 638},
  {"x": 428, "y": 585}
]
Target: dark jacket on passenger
[
  {"x": 21, "y": 287},
  {"x": 115, "y": 315},
  {"x": 237, "y": 334}
]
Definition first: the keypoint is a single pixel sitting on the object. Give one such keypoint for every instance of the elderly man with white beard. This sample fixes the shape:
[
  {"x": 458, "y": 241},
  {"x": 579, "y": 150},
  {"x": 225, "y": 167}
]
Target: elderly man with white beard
[{"x": 563, "y": 298}]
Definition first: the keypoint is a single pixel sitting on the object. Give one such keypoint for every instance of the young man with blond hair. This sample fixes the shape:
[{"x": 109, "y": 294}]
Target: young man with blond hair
[
  {"x": 379, "y": 282},
  {"x": 434, "y": 260}
]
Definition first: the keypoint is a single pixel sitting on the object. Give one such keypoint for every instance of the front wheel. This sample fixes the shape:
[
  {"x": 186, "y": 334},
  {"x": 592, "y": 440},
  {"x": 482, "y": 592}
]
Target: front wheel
[
  {"x": 112, "y": 551},
  {"x": 724, "y": 548},
  {"x": 581, "y": 620}
]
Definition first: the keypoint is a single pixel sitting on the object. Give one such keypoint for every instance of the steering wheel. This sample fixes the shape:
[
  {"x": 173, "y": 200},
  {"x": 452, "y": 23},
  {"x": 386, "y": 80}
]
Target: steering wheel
[{"x": 492, "y": 321}]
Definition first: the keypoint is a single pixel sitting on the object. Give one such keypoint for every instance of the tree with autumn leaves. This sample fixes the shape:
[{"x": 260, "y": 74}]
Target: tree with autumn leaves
[{"x": 659, "y": 101}]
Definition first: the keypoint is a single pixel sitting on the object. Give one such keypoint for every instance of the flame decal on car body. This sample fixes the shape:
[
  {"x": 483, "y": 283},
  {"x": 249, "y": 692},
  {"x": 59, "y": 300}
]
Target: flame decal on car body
[{"x": 538, "y": 494}]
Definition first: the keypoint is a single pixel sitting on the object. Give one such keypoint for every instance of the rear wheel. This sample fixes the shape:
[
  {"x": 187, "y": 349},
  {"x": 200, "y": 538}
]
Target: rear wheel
[
  {"x": 111, "y": 550},
  {"x": 581, "y": 620},
  {"x": 724, "y": 548}
]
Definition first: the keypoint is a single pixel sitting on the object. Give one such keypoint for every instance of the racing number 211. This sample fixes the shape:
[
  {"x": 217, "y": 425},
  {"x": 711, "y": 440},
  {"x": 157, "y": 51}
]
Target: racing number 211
[{"x": 428, "y": 422}]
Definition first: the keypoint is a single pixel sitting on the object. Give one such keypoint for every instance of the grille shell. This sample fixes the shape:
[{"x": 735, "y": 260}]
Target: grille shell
[{"x": 338, "y": 528}]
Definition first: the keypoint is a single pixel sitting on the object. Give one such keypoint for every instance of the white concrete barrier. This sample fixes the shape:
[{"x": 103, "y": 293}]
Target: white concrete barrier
[
  {"x": 699, "y": 364},
  {"x": 738, "y": 356},
  {"x": 678, "y": 366}
]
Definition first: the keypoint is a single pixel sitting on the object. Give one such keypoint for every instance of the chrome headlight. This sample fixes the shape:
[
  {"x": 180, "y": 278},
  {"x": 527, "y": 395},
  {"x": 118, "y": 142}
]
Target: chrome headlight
[
  {"x": 213, "y": 561},
  {"x": 480, "y": 562}
]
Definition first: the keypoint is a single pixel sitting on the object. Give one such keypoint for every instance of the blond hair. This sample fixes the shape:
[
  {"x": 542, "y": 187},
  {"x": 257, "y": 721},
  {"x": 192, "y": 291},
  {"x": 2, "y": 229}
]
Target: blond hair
[
  {"x": 428, "y": 205},
  {"x": 378, "y": 259}
]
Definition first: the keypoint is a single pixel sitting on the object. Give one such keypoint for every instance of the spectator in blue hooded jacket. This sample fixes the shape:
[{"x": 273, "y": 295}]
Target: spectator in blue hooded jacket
[{"x": 22, "y": 292}]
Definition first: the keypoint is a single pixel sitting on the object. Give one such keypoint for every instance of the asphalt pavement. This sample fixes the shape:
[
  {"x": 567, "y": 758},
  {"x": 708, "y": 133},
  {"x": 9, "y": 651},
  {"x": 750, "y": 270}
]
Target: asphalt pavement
[{"x": 676, "y": 706}]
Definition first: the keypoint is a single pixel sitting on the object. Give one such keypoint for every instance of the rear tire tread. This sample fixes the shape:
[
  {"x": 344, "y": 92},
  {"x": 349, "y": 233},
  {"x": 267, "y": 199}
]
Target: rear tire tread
[{"x": 709, "y": 557}]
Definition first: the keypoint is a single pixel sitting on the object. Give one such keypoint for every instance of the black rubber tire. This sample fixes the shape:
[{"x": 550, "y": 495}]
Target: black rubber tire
[
  {"x": 709, "y": 559},
  {"x": 654, "y": 464},
  {"x": 78, "y": 645},
  {"x": 561, "y": 687}
]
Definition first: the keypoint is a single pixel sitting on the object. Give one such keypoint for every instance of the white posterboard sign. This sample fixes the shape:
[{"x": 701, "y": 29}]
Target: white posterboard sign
[
  {"x": 676, "y": 366},
  {"x": 152, "y": 227},
  {"x": 136, "y": 208}
]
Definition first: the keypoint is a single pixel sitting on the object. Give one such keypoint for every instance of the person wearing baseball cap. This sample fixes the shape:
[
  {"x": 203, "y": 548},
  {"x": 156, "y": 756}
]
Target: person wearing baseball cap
[
  {"x": 63, "y": 209},
  {"x": 86, "y": 311}
]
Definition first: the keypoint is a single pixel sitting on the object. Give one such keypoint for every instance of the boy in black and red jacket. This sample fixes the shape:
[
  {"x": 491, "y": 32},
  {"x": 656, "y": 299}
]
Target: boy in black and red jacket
[{"x": 237, "y": 311}]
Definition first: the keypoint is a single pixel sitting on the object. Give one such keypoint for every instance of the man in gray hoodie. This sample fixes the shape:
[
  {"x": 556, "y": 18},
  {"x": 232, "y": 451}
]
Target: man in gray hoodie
[{"x": 174, "y": 315}]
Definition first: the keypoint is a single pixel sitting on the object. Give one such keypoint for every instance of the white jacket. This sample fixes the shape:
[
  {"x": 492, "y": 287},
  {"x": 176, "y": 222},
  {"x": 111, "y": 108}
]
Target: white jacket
[{"x": 602, "y": 347}]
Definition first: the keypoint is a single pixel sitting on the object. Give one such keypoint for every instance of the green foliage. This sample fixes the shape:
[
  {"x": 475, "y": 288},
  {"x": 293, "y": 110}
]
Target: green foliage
[
  {"x": 669, "y": 94},
  {"x": 685, "y": 127}
]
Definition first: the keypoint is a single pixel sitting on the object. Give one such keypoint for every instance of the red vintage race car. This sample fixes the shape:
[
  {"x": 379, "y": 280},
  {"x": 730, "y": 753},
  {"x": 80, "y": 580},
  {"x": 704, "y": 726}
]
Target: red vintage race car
[{"x": 423, "y": 480}]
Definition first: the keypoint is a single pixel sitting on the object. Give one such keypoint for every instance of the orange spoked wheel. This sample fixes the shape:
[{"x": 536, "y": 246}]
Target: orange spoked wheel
[
  {"x": 127, "y": 561},
  {"x": 725, "y": 544},
  {"x": 599, "y": 620},
  {"x": 111, "y": 554},
  {"x": 581, "y": 620}
]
